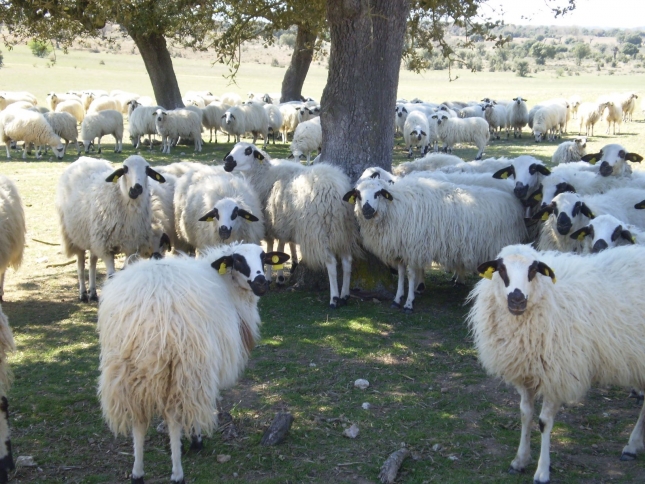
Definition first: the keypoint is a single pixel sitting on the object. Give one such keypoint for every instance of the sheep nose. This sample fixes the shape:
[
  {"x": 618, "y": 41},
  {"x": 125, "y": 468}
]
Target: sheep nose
[
  {"x": 599, "y": 246},
  {"x": 224, "y": 232},
  {"x": 368, "y": 211},
  {"x": 563, "y": 224},
  {"x": 259, "y": 285},
  {"x": 135, "y": 191},
  {"x": 517, "y": 302},
  {"x": 521, "y": 190},
  {"x": 606, "y": 169},
  {"x": 229, "y": 163}
]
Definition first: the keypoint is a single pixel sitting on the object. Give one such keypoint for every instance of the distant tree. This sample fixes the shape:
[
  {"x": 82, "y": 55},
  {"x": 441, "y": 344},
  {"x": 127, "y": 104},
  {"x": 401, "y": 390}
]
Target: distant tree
[
  {"x": 39, "y": 48},
  {"x": 541, "y": 52},
  {"x": 629, "y": 50},
  {"x": 522, "y": 68},
  {"x": 635, "y": 39},
  {"x": 580, "y": 51}
]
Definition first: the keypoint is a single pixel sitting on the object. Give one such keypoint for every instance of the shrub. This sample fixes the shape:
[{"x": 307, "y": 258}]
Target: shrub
[
  {"x": 521, "y": 68},
  {"x": 1, "y": 59},
  {"x": 629, "y": 49},
  {"x": 633, "y": 39},
  {"x": 275, "y": 63},
  {"x": 580, "y": 51},
  {"x": 559, "y": 72},
  {"x": 39, "y": 48},
  {"x": 102, "y": 62},
  {"x": 288, "y": 39}
]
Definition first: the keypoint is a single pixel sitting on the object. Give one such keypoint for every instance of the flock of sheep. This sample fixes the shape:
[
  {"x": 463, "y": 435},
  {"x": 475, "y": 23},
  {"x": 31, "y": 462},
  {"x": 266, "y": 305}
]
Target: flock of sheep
[{"x": 175, "y": 330}]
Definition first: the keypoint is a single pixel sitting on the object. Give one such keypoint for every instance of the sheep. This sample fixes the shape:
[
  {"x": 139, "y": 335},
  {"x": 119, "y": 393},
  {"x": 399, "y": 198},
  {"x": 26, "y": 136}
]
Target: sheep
[
  {"x": 141, "y": 122},
  {"x": 570, "y": 151},
  {"x": 613, "y": 160},
  {"x": 7, "y": 345},
  {"x": 30, "y": 127},
  {"x": 307, "y": 138},
  {"x": 469, "y": 179},
  {"x": 86, "y": 100},
  {"x": 256, "y": 120},
  {"x": 275, "y": 119},
  {"x": 289, "y": 120},
  {"x": 457, "y": 130},
  {"x": 234, "y": 122},
  {"x": 7, "y": 101},
  {"x": 163, "y": 214},
  {"x": 53, "y": 99},
  {"x": 396, "y": 219},
  {"x": 102, "y": 123},
  {"x": 517, "y": 117},
  {"x": 72, "y": 107},
  {"x": 560, "y": 102},
  {"x": 12, "y": 232},
  {"x": 103, "y": 103},
  {"x": 495, "y": 115},
  {"x": 430, "y": 162},
  {"x": 626, "y": 103},
  {"x": 105, "y": 211},
  {"x": 590, "y": 114},
  {"x": 181, "y": 168},
  {"x": 304, "y": 205},
  {"x": 630, "y": 108},
  {"x": 402, "y": 110},
  {"x": 197, "y": 101},
  {"x": 212, "y": 118},
  {"x": 415, "y": 132},
  {"x": 549, "y": 122},
  {"x": 614, "y": 116},
  {"x": 606, "y": 231},
  {"x": 574, "y": 104},
  {"x": 178, "y": 123},
  {"x": 10, "y": 97},
  {"x": 173, "y": 334},
  {"x": 64, "y": 125},
  {"x": 527, "y": 171},
  {"x": 306, "y": 113},
  {"x": 560, "y": 338},
  {"x": 231, "y": 99},
  {"x": 476, "y": 111}
]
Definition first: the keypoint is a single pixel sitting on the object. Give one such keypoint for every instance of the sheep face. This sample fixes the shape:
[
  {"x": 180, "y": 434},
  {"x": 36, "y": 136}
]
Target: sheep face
[
  {"x": 243, "y": 157},
  {"x": 546, "y": 194},
  {"x": 133, "y": 177},
  {"x": 517, "y": 271},
  {"x": 605, "y": 231},
  {"x": 612, "y": 159},
  {"x": 526, "y": 171},
  {"x": 371, "y": 196},
  {"x": 247, "y": 266},
  {"x": 228, "y": 118},
  {"x": 227, "y": 215},
  {"x": 581, "y": 143},
  {"x": 567, "y": 208}
]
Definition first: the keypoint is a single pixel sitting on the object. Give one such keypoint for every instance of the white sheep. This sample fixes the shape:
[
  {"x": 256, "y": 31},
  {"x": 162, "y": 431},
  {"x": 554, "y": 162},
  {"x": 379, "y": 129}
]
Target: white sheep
[
  {"x": 30, "y": 127},
  {"x": 614, "y": 116},
  {"x": 612, "y": 160},
  {"x": 216, "y": 209},
  {"x": 231, "y": 99},
  {"x": 141, "y": 122},
  {"x": 396, "y": 219},
  {"x": 303, "y": 205},
  {"x": 549, "y": 122},
  {"x": 181, "y": 168},
  {"x": 102, "y": 123},
  {"x": 307, "y": 138},
  {"x": 163, "y": 216},
  {"x": 430, "y": 162},
  {"x": 574, "y": 105},
  {"x": 476, "y": 111},
  {"x": 256, "y": 120},
  {"x": 173, "y": 334},
  {"x": 606, "y": 231},
  {"x": 517, "y": 117},
  {"x": 458, "y": 130},
  {"x": 570, "y": 151},
  {"x": 105, "y": 211},
  {"x": 9, "y": 97},
  {"x": 289, "y": 120},
  {"x": 53, "y": 99},
  {"x": 212, "y": 118},
  {"x": 171, "y": 125},
  {"x": 415, "y": 132},
  {"x": 234, "y": 122},
  {"x": 72, "y": 107},
  {"x": 555, "y": 339},
  {"x": 496, "y": 116},
  {"x": 528, "y": 173},
  {"x": 12, "y": 231},
  {"x": 64, "y": 125},
  {"x": 630, "y": 108},
  {"x": 275, "y": 119},
  {"x": 626, "y": 102},
  {"x": 7, "y": 345},
  {"x": 590, "y": 114}
]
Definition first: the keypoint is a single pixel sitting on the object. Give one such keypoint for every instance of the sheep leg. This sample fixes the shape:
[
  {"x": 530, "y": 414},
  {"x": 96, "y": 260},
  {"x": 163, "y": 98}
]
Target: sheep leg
[
  {"x": 78, "y": 148},
  {"x": 523, "y": 457},
  {"x": 80, "y": 270},
  {"x": 332, "y": 272},
  {"x": 6, "y": 458},
  {"x": 6, "y": 145},
  {"x": 2, "y": 290},
  {"x": 400, "y": 289},
  {"x": 269, "y": 272},
  {"x": 280, "y": 279},
  {"x": 109, "y": 265},
  {"x": 99, "y": 145},
  {"x": 174, "y": 432},
  {"x": 93, "y": 260},
  {"x": 294, "y": 256},
  {"x": 24, "y": 151},
  {"x": 196, "y": 442},
  {"x": 346, "y": 261},
  {"x": 635, "y": 443},
  {"x": 480, "y": 153},
  {"x": 138, "y": 438},
  {"x": 421, "y": 286},
  {"x": 412, "y": 278},
  {"x": 547, "y": 416}
]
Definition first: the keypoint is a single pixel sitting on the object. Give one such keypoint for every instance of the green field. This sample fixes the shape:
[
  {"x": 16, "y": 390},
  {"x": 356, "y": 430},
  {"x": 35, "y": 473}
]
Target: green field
[{"x": 427, "y": 387}]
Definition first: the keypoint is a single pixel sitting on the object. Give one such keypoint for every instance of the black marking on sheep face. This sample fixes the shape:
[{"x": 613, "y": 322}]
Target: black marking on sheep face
[
  {"x": 599, "y": 246},
  {"x": 259, "y": 285},
  {"x": 368, "y": 211},
  {"x": 521, "y": 190},
  {"x": 135, "y": 191},
  {"x": 225, "y": 232},
  {"x": 606, "y": 169},
  {"x": 542, "y": 425},
  {"x": 229, "y": 163},
  {"x": 563, "y": 224},
  {"x": 516, "y": 302}
]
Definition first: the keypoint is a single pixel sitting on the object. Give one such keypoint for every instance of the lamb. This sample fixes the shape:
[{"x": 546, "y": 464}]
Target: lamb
[
  {"x": 275, "y": 119},
  {"x": 7, "y": 345},
  {"x": 173, "y": 334},
  {"x": 560, "y": 338},
  {"x": 72, "y": 107},
  {"x": 606, "y": 231},
  {"x": 430, "y": 162},
  {"x": 614, "y": 116},
  {"x": 570, "y": 151},
  {"x": 64, "y": 125},
  {"x": 495, "y": 115},
  {"x": 613, "y": 160},
  {"x": 212, "y": 118},
  {"x": 102, "y": 123},
  {"x": 396, "y": 219},
  {"x": 590, "y": 114},
  {"x": 303, "y": 205},
  {"x": 457, "y": 130},
  {"x": 141, "y": 122},
  {"x": 12, "y": 235},
  {"x": 171, "y": 125},
  {"x": 415, "y": 132},
  {"x": 517, "y": 117},
  {"x": 574, "y": 104},
  {"x": 217, "y": 209},
  {"x": 105, "y": 211},
  {"x": 307, "y": 138},
  {"x": 549, "y": 122},
  {"x": 30, "y": 127}
]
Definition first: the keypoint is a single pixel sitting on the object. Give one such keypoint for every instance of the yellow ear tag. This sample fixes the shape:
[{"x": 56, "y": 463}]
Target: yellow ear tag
[
  {"x": 261, "y": 161},
  {"x": 115, "y": 179},
  {"x": 209, "y": 219},
  {"x": 247, "y": 217},
  {"x": 581, "y": 237},
  {"x": 545, "y": 216},
  {"x": 553, "y": 279},
  {"x": 158, "y": 177},
  {"x": 222, "y": 268},
  {"x": 275, "y": 259},
  {"x": 504, "y": 176},
  {"x": 352, "y": 200},
  {"x": 488, "y": 274},
  {"x": 592, "y": 215},
  {"x": 538, "y": 197},
  {"x": 592, "y": 161},
  {"x": 278, "y": 267},
  {"x": 633, "y": 239},
  {"x": 547, "y": 273}
]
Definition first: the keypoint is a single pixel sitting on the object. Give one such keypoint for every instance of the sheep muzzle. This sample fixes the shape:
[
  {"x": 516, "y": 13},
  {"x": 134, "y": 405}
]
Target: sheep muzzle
[
  {"x": 135, "y": 191},
  {"x": 521, "y": 190},
  {"x": 606, "y": 169},
  {"x": 259, "y": 285},
  {"x": 229, "y": 163},
  {"x": 368, "y": 211},
  {"x": 563, "y": 224},
  {"x": 224, "y": 232},
  {"x": 599, "y": 246},
  {"x": 517, "y": 302}
]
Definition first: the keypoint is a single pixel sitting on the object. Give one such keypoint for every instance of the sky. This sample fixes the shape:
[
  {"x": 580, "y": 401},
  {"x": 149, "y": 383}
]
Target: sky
[{"x": 588, "y": 13}]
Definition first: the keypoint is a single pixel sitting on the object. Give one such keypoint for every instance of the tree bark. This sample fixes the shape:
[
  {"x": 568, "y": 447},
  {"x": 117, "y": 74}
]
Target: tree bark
[
  {"x": 360, "y": 96},
  {"x": 303, "y": 53},
  {"x": 158, "y": 63}
]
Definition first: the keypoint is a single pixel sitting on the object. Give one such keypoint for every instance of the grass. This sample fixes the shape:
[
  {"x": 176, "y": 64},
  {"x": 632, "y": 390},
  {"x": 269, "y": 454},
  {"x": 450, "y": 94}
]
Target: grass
[{"x": 426, "y": 386}]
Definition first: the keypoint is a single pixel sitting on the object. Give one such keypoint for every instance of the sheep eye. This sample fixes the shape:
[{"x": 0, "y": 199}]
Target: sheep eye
[
  {"x": 248, "y": 151},
  {"x": 622, "y": 153}
]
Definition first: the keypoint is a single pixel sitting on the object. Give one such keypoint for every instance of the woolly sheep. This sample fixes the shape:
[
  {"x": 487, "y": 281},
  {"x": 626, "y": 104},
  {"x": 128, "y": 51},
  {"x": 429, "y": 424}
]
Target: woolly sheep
[
  {"x": 275, "y": 119},
  {"x": 102, "y": 123},
  {"x": 53, "y": 99},
  {"x": 590, "y": 114},
  {"x": 555, "y": 340},
  {"x": 396, "y": 219},
  {"x": 307, "y": 138},
  {"x": 415, "y": 132},
  {"x": 527, "y": 172},
  {"x": 105, "y": 211},
  {"x": 171, "y": 125},
  {"x": 289, "y": 120},
  {"x": 181, "y": 168},
  {"x": 234, "y": 122},
  {"x": 606, "y": 231},
  {"x": 217, "y": 209},
  {"x": 212, "y": 118},
  {"x": 303, "y": 205},
  {"x": 476, "y": 111},
  {"x": 173, "y": 334},
  {"x": 30, "y": 127},
  {"x": 626, "y": 102},
  {"x": 103, "y": 103},
  {"x": 9, "y": 97},
  {"x": 197, "y": 101},
  {"x": 231, "y": 99},
  {"x": 457, "y": 130},
  {"x": 560, "y": 102},
  {"x": 517, "y": 117},
  {"x": 64, "y": 125},
  {"x": 141, "y": 122},
  {"x": 430, "y": 162},
  {"x": 469, "y": 179},
  {"x": 574, "y": 104},
  {"x": 549, "y": 122},
  {"x": 630, "y": 108},
  {"x": 7, "y": 345},
  {"x": 306, "y": 113},
  {"x": 614, "y": 117},
  {"x": 570, "y": 151},
  {"x": 612, "y": 160},
  {"x": 12, "y": 232},
  {"x": 495, "y": 115},
  {"x": 72, "y": 107},
  {"x": 256, "y": 120}
]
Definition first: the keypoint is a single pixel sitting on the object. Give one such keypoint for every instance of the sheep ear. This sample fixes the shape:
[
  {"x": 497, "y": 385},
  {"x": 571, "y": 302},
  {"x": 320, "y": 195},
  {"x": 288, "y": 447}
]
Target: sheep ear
[
  {"x": 154, "y": 175},
  {"x": 592, "y": 158},
  {"x": 223, "y": 263},
  {"x": 385, "y": 194},
  {"x": 616, "y": 233},
  {"x": 424, "y": 133},
  {"x": 114, "y": 177},
  {"x": 634, "y": 157},
  {"x": 545, "y": 270},
  {"x": 564, "y": 187},
  {"x": 537, "y": 167},
  {"x": 534, "y": 198},
  {"x": 376, "y": 174},
  {"x": 275, "y": 258},
  {"x": 543, "y": 214},
  {"x": 351, "y": 196},
  {"x": 504, "y": 173},
  {"x": 488, "y": 268},
  {"x": 640, "y": 205},
  {"x": 247, "y": 215},
  {"x": 210, "y": 216},
  {"x": 580, "y": 234},
  {"x": 258, "y": 155},
  {"x": 586, "y": 211},
  {"x": 627, "y": 235}
]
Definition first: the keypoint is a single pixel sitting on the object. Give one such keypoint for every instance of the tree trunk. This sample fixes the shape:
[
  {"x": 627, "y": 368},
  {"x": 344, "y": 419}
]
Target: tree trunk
[
  {"x": 359, "y": 99},
  {"x": 296, "y": 74},
  {"x": 158, "y": 63}
]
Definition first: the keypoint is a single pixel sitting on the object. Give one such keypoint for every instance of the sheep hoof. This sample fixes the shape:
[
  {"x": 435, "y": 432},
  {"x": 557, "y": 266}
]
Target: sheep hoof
[
  {"x": 178, "y": 482},
  {"x": 94, "y": 297},
  {"x": 196, "y": 443},
  {"x": 335, "y": 304},
  {"x": 395, "y": 305},
  {"x": 535, "y": 481},
  {"x": 408, "y": 310},
  {"x": 137, "y": 480},
  {"x": 343, "y": 301},
  {"x": 83, "y": 297},
  {"x": 627, "y": 456},
  {"x": 639, "y": 398},
  {"x": 513, "y": 470}
]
